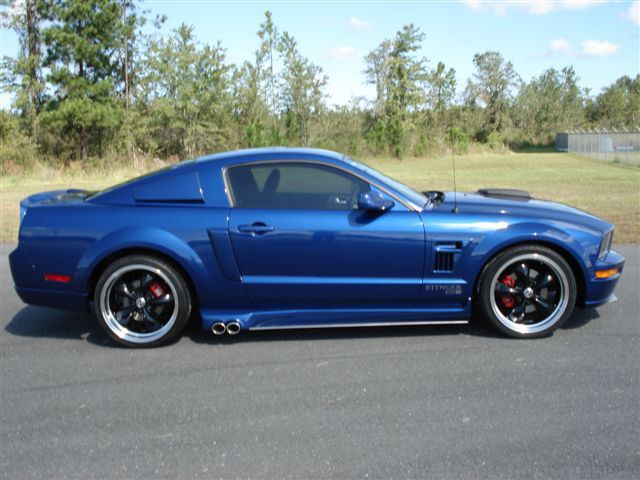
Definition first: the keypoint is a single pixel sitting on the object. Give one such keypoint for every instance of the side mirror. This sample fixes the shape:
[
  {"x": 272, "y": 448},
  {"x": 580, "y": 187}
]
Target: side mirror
[{"x": 373, "y": 201}]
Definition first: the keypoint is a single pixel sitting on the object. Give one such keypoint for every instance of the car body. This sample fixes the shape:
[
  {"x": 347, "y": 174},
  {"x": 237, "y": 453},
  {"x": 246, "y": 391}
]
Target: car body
[{"x": 329, "y": 242}]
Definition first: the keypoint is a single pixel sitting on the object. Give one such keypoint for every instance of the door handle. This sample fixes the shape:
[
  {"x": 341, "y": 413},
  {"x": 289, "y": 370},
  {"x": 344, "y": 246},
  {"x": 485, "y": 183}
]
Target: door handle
[{"x": 257, "y": 227}]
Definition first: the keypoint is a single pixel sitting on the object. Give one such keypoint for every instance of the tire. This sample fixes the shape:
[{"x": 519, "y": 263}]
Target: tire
[
  {"x": 142, "y": 301},
  {"x": 527, "y": 291}
]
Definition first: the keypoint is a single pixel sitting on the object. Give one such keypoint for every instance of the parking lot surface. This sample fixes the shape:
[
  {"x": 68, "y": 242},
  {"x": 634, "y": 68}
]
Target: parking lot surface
[{"x": 454, "y": 402}]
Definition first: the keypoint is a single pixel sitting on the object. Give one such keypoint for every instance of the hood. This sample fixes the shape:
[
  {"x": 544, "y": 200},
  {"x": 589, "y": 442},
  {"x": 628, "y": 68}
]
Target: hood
[{"x": 475, "y": 203}]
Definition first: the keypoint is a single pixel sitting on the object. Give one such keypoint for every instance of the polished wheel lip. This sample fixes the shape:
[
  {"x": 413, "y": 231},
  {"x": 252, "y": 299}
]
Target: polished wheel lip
[
  {"x": 552, "y": 318},
  {"x": 112, "y": 323}
]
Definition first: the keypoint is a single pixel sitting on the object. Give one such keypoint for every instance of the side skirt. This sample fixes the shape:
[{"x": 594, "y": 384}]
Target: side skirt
[
  {"x": 368, "y": 324},
  {"x": 334, "y": 318}
]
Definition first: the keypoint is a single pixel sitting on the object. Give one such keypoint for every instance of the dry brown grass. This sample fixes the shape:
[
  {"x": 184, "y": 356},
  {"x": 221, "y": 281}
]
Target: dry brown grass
[{"x": 608, "y": 190}]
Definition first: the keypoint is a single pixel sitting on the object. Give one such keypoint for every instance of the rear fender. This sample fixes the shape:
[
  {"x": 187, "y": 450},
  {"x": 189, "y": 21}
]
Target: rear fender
[{"x": 151, "y": 238}]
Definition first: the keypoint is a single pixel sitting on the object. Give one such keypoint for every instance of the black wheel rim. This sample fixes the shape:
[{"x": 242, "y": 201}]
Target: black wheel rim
[
  {"x": 529, "y": 293},
  {"x": 139, "y": 303}
]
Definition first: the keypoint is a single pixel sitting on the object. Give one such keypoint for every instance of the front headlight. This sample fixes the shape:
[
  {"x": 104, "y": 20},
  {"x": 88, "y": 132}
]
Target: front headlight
[{"x": 605, "y": 245}]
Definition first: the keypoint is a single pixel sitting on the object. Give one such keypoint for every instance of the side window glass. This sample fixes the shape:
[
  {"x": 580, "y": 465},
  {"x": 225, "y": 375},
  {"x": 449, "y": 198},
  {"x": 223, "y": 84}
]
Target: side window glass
[{"x": 294, "y": 185}]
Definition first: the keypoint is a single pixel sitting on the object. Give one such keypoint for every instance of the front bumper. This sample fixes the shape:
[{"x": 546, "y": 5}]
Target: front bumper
[{"x": 599, "y": 291}]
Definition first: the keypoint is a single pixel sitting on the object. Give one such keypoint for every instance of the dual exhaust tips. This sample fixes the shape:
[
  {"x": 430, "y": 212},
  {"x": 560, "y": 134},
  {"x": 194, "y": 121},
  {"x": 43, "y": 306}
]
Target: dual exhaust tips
[{"x": 232, "y": 328}]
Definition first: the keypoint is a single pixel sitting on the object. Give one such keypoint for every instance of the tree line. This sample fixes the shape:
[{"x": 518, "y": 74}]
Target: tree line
[{"x": 97, "y": 78}]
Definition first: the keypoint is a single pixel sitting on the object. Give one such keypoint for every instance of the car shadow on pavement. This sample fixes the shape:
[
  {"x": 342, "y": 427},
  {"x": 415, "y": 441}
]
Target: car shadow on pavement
[
  {"x": 580, "y": 318},
  {"x": 44, "y": 322}
]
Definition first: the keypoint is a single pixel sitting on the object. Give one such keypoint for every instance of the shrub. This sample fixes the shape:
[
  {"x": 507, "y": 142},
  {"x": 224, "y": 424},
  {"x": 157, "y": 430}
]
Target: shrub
[
  {"x": 17, "y": 150},
  {"x": 458, "y": 140},
  {"x": 494, "y": 140}
]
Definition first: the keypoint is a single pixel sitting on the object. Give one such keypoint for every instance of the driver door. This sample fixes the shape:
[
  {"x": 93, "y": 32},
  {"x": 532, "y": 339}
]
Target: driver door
[{"x": 300, "y": 241}]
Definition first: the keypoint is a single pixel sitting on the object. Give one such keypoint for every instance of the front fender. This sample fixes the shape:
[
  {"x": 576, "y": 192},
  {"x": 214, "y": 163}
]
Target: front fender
[
  {"x": 151, "y": 238},
  {"x": 579, "y": 245}
]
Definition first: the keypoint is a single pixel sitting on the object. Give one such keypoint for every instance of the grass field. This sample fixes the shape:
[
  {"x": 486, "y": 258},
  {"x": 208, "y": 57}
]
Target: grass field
[{"x": 609, "y": 190}]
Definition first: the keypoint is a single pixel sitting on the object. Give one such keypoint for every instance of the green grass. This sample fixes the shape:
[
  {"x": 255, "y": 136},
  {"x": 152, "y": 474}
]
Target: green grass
[{"x": 609, "y": 190}]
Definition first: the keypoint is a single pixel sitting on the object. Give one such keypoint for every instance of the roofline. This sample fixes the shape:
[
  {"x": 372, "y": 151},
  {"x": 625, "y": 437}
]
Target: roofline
[{"x": 269, "y": 151}]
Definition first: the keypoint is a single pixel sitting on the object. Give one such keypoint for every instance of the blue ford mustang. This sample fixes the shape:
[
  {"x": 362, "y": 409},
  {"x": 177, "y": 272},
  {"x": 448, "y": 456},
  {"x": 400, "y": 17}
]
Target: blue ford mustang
[{"x": 300, "y": 238}]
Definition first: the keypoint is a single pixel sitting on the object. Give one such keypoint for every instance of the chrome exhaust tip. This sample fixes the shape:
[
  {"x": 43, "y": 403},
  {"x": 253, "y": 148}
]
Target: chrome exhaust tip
[
  {"x": 218, "y": 328},
  {"x": 233, "y": 328}
]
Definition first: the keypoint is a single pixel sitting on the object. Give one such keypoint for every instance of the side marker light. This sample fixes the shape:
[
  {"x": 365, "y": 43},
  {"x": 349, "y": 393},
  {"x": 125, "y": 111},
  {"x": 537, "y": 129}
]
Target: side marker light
[
  {"x": 54, "y": 277},
  {"x": 607, "y": 273}
]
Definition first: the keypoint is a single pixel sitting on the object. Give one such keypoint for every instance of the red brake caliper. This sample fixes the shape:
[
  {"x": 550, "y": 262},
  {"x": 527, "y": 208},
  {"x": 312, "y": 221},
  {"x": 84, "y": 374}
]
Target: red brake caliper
[
  {"x": 508, "y": 301},
  {"x": 156, "y": 289}
]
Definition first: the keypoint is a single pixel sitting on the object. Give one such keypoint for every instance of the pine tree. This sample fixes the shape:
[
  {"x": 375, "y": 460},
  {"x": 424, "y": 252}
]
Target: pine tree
[
  {"x": 22, "y": 76},
  {"x": 82, "y": 42},
  {"x": 494, "y": 81},
  {"x": 399, "y": 77}
]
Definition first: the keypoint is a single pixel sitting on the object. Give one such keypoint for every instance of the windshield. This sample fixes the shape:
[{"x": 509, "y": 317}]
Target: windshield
[{"x": 410, "y": 194}]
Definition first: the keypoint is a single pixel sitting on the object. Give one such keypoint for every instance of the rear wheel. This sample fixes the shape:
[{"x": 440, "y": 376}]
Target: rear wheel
[
  {"x": 528, "y": 291},
  {"x": 142, "y": 301}
]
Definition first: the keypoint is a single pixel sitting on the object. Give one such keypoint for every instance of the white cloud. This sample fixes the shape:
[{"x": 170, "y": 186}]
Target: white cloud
[
  {"x": 633, "y": 13},
  {"x": 538, "y": 8},
  {"x": 475, "y": 5},
  {"x": 599, "y": 48},
  {"x": 359, "y": 24},
  {"x": 344, "y": 53},
  {"x": 558, "y": 46},
  {"x": 580, "y": 4},
  {"x": 532, "y": 7},
  {"x": 561, "y": 45}
]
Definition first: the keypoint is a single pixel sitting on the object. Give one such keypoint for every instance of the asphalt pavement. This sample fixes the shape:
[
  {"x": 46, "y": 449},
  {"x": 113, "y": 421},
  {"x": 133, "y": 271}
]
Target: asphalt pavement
[{"x": 410, "y": 402}]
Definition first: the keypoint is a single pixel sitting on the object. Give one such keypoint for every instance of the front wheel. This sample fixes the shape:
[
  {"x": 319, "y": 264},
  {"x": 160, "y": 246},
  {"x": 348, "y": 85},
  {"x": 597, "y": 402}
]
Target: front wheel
[
  {"x": 142, "y": 301},
  {"x": 527, "y": 291}
]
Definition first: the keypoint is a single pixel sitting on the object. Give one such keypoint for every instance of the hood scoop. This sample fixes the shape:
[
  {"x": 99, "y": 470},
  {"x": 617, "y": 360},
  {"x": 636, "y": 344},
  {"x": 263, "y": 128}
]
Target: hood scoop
[{"x": 508, "y": 193}]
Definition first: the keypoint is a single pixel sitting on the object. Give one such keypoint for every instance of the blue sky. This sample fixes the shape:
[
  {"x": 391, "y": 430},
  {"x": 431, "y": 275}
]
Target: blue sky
[{"x": 599, "y": 38}]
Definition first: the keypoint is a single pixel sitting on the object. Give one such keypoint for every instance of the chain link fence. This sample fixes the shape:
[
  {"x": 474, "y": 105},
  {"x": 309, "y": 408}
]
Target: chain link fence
[{"x": 613, "y": 146}]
